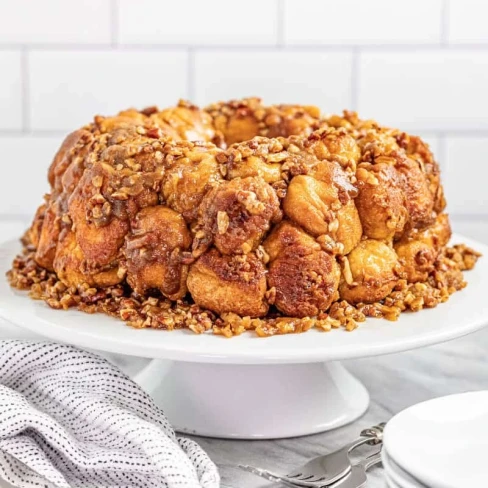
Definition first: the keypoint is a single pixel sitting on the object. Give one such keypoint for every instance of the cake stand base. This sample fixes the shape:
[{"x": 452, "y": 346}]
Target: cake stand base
[{"x": 254, "y": 401}]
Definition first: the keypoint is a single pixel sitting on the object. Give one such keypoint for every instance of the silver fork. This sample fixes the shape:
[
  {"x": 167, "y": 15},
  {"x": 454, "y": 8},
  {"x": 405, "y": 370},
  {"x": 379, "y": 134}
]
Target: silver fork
[
  {"x": 356, "y": 478},
  {"x": 326, "y": 469}
]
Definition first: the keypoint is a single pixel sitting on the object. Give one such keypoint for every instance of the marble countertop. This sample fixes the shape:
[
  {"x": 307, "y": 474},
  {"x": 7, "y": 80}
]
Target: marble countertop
[{"x": 395, "y": 382}]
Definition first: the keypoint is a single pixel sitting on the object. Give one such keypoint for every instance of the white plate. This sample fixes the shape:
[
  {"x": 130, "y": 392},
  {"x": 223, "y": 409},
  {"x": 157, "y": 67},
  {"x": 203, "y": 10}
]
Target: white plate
[
  {"x": 442, "y": 442},
  {"x": 396, "y": 475},
  {"x": 465, "y": 312},
  {"x": 391, "y": 483}
]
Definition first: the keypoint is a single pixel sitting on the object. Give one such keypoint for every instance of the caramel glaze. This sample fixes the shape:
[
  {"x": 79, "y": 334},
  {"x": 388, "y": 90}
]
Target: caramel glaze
[{"x": 242, "y": 207}]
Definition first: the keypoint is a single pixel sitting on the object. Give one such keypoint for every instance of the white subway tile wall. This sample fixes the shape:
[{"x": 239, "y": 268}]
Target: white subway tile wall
[
  {"x": 465, "y": 174},
  {"x": 362, "y": 22},
  {"x": 25, "y": 159},
  {"x": 323, "y": 79},
  {"x": 429, "y": 90},
  {"x": 67, "y": 88},
  {"x": 55, "y": 21},
  {"x": 10, "y": 90},
  {"x": 193, "y": 22},
  {"x": 467, "y": 21},
  {"x": 419, "y": 65}
]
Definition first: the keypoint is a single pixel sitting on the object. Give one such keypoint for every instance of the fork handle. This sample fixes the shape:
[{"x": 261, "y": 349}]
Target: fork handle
[
  {"x": 372, "y": 460},
  {"x": 359, "y": 442},
  {"x": 375, "y": 432},
  {"x": 372, "y": 436}
]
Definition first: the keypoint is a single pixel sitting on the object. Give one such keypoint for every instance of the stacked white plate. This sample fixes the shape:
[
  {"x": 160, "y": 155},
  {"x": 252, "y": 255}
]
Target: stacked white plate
[{"x": 441, "y": 443}]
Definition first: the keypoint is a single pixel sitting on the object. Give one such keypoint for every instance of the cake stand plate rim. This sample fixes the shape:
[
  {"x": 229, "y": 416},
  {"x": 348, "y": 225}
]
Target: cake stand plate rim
[{"x": 464, "y": 313}]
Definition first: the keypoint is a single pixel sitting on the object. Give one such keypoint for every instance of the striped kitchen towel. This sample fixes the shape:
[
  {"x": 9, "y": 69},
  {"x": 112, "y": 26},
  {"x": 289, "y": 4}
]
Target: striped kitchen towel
[{"x": 69, "y": 418}]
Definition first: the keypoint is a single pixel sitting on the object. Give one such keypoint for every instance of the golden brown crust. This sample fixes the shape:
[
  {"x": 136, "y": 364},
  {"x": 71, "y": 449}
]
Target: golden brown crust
[
  {"x": 381, "y": 202},
  {"x": 236, "y": 214},
  {"x": 71, "y": 267},
  {"x": 419, "y": 199},
  {"x": 70, "y": 148},
  {"x": 48, "y": 237},
  {"x": 188, "y": 177},
  {"x": 302, "y": 278},
  {"x": 260, "y": 156},
  {"x": 336, "y": 145},
  {"x": 153, "y": 251},
  {"x": 98, "y": 233},
  {"x": 322, "y": 208},
  {"x": 229, "y": 283},
  {"x": 418, "y": 250},
  {"x": 68, "y": 261},
  {"x": 418, "y": 150},
  {"x": 369, "y": 272},
  {"x": 286, "y": 236},
  {"x": 241, "y": 120},
  {"x": 187, "y": 120},
  {"x": 33, "y": 233},
  {"x": 304, "y": 285},
  {"x": 241, "y": 207}
]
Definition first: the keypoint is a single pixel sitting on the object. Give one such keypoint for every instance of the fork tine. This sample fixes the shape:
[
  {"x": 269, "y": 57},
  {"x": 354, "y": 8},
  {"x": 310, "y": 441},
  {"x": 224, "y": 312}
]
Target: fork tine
[
  {"x": 267, "y": 475},
  {"x": 259, "y": 472}
]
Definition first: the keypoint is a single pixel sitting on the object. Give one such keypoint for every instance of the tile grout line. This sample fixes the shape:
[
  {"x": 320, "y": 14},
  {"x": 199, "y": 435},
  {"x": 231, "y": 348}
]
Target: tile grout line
[
  {"x": 25, "y": 89},
  {"x": 114, "y": 23},
  {"x": 24, "y": 218},
  {"x": 383, "y": 48},
  {"x": 468, "y": 217},
  {"x": 33, "y": 133}
]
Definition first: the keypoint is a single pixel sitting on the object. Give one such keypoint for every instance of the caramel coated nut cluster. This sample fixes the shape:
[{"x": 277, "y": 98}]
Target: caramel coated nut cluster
[{"x": 241, "y": 216}]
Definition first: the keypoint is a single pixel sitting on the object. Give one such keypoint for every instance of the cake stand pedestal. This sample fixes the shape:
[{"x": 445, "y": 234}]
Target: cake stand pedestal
[
  {"x": 249, "y": 387},
  {"x": 254, "y": 401}
]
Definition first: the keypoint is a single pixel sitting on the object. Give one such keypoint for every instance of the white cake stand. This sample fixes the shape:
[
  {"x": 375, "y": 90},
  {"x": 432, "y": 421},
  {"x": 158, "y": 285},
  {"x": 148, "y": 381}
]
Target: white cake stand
[{"x": 248, "y": 387}]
